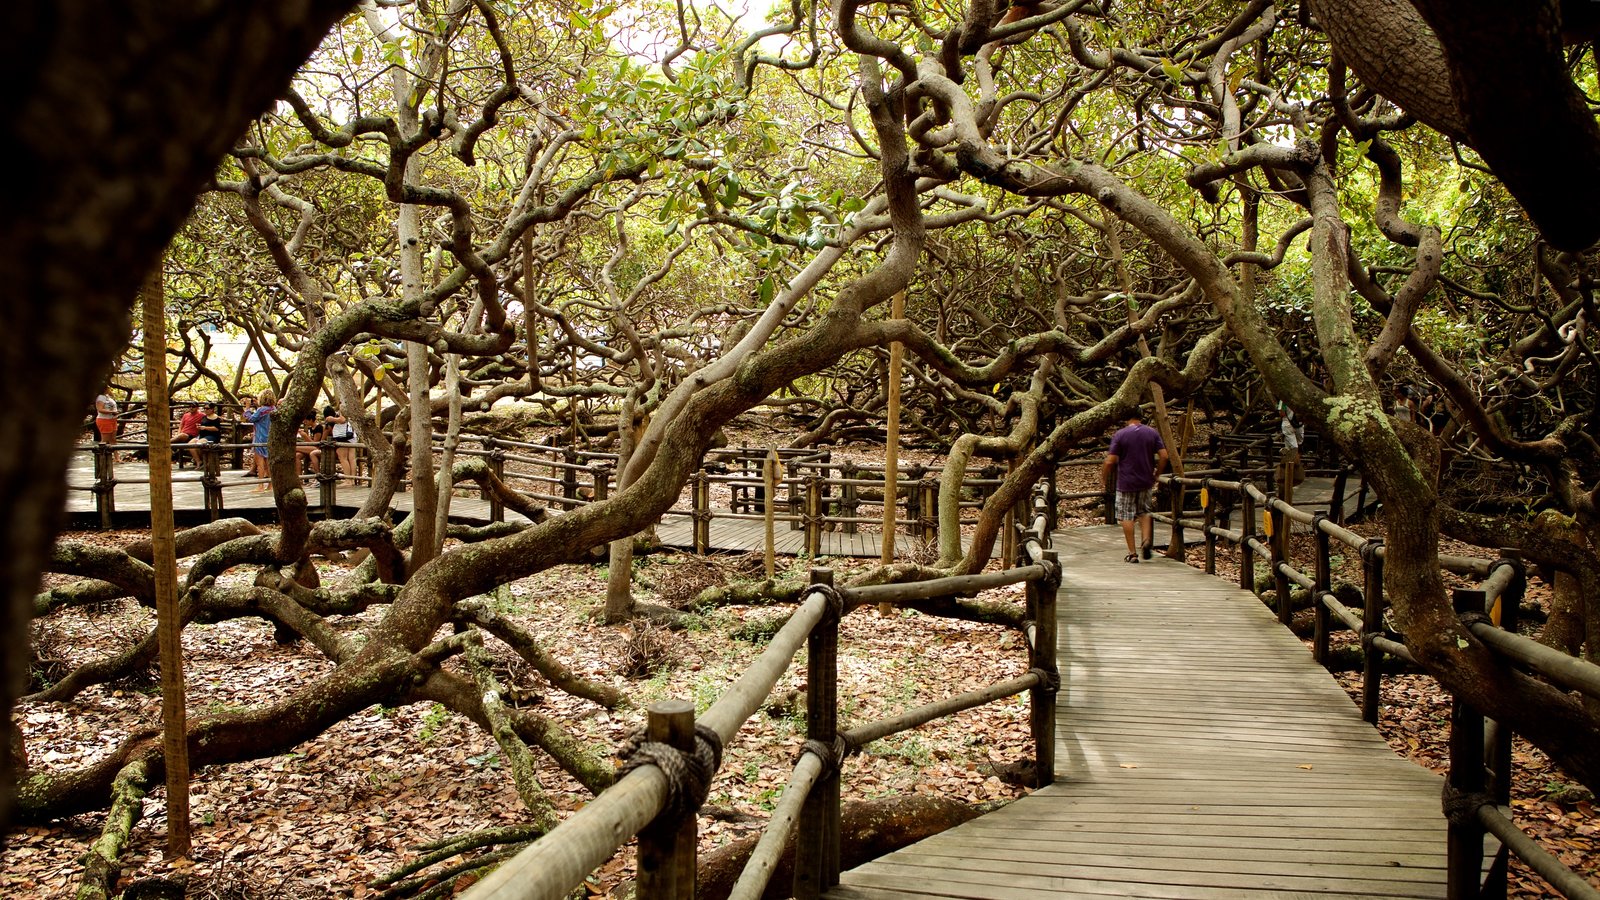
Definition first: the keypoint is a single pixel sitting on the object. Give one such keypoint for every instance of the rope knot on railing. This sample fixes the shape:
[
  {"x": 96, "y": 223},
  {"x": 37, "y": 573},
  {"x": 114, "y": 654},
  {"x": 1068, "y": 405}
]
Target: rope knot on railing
[
  {"x": 834, "y": 611},
  {"x": 1049, "y": 680},
  {"x": 688, "y": 774},
  {"x": 1461, "y": 807},
  {"x": 831, "y": 753},
  {"x": 1052, "y": 576},
  {"x": 1469, "y": 619}
]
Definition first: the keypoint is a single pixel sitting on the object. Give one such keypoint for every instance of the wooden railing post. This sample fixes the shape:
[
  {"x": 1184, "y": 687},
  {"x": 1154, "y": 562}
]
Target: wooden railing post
[
  {"x": 1497, "y": 738},
  {"x": 569, "y": 478},
  {"x": 769, "y": 508},
  {"x": 497, "y": 467},
  {"x": 849, "y": 501},
  {"x": 328, "y": 478},
  {"x": 813, "y": 516},
  {"x": 667, "y": 846},
  {"x": 1247, "y": 530},
  {"x": 1110, "y": 499},
  {"x": 1052, "y": 498},
  {"x": 1371, "y": 627},
  {"x": 1336, "y": 504},
  {"x": 1041, "y": 604},
  {"x": 211, "y": 480},
  {"x": 1278, "y": 543},
  {"x": 816, "y": 856},
  {"x": 600, "y": 475},
  {"x": 1322, "y": 582},
  {"x": 1175, "y": 545},
  {"x": 701, "y": 519},
  {"x": 1209, "y": 521},
  {"x": 929, "y": 489},
  {"x": 105, "y": 483},
  {"x": 1464, "y": 839}
]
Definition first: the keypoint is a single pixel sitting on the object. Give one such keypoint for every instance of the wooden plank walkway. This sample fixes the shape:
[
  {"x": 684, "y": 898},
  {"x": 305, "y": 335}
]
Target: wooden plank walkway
[{"x": 1200, "y": 753}]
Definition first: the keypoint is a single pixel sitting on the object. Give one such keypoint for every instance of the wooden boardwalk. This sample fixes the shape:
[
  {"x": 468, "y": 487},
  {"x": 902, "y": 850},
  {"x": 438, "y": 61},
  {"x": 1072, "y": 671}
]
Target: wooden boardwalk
[{"x": 1200, "y": 753}]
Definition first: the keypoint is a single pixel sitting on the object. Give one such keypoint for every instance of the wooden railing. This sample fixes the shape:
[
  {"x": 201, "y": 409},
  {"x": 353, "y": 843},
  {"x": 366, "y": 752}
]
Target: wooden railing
[
  {"x": 661, "y": 808},
  {"x": 1478, "y": 792}
]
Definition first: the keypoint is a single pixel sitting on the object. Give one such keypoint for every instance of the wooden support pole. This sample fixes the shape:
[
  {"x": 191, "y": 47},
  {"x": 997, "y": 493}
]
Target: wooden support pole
[
  {"x": 1209, "y": 502},
  {"x": 667, "y": 847},
  {"x": 169, "y": 626},
  {"x": 701, "y": 519},
  {"x": 105, "y": 483},
  {"x": 1371, "y": 627},
  {"x": 1042, "y": 699},
  {"x": 891, "y": 449},
  {"x": 1279, "y": 545},
  {"x": 211, "y": 480},
  {"x": 813, "y": 516},
  {"x": 816, "y": 858},
  {"x": 1322, "y": 582},
  {"x": 1247, "y": 528},
  {"x": 1175, "y": 545},
  {"x": 1336, "y": 504},
  {"x": 497, "y": 466},
  {"x": 1464, "y": 837},
  {"x": 769, "y": 481}
]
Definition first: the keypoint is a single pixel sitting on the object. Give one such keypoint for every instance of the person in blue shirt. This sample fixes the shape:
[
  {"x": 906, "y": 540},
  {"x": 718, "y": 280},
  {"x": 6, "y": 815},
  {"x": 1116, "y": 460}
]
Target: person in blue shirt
[{"x": 261, "y": 418}]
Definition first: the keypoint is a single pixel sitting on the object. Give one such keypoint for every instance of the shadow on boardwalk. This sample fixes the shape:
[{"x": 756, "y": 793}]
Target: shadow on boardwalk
[{"x": 1200, "y": 753}]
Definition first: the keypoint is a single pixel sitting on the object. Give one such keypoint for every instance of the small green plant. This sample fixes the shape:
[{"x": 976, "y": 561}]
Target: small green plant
[{"x": 432, "y": 721}]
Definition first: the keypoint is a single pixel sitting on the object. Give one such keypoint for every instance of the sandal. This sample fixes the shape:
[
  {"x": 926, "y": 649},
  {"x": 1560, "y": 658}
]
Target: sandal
[{"x": 1131, "y": 557}]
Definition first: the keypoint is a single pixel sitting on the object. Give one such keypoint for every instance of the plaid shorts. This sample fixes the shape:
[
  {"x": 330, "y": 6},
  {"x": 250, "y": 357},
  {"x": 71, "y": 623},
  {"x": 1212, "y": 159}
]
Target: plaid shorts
[{"x": 1131, "y": 506}]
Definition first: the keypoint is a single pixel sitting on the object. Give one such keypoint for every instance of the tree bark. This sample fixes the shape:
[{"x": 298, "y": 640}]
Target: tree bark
[{"x": 120, "y": 113}]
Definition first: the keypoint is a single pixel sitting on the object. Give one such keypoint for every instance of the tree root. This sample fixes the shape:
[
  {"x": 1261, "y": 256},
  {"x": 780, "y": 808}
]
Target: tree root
[
  {"x": 100, "y": 868},
  {"x": 527, "y": 646},
  {"x": 524, "y": 771}
]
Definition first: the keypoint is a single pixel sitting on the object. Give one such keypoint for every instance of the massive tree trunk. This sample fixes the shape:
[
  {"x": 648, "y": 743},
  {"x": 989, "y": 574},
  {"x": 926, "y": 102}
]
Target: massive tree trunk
[
  {"x": 1493, "y": 78},
  {"x": 120, "y": 112}
]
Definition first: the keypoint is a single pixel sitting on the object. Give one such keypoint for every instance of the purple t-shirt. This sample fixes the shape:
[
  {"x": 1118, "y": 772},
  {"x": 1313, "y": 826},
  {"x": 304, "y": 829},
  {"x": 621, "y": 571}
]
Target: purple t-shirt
[{"x": 1135, "y": 448}]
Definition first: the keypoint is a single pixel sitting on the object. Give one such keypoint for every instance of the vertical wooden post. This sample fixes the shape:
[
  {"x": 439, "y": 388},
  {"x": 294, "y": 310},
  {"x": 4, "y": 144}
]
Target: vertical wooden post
[
  {"x": 701, "y": 518},
  {"x": 1279, "y": 545},
  {"x": 1008, "y": 534},
  {"x": 1464, "y": 838},
  {"x": 1247, "y": 529},
  {"x": 1371, "y": 627},
  {"x": 1111, "y": 502},
  {"x": 169, "y": 626},
  {"x": 813, "y": 516},
  {"x": 1209, "y": 522},
  {"x": 1041, "y": 601},
  {"x": 211, "y": 480},
  {"x": 1336, "y": 504},
  {"x": 1175, "y": 545},
  {"x": 328, "y": 477},
  {"x": 569, "y": 476},
  {"x": 816, "y": 857},
  {"x": 891, "y": 449},
  {"x": 930, "y": 509},
  {"x": 1361, "y": 497},
  {"x": 849, "y": 497},
  {"x": 1505, "y": 614},
  {"x": 667, "y": 847},
  {"x": 497, "y": 467},
  {"x": 1322, "y": 583},
  {"x": 1052, "y": 498},
  {"x": 105, "y": 483},
  {"x": 769, "y": 480}
]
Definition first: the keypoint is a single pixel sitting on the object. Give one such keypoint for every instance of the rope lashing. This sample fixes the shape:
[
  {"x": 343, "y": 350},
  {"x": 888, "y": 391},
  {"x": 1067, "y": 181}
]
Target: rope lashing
[
  {"x": 1050, "y": 681},
  {"x": 688, "y": 774},
  {"x": 835, "y": 601},
  {"x": 1461, "y": 807},
  {"x": 831, "y": 753}
]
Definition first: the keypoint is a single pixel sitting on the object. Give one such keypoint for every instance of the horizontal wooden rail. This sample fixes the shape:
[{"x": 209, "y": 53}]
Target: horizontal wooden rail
[{"x": 862, "y": 735}]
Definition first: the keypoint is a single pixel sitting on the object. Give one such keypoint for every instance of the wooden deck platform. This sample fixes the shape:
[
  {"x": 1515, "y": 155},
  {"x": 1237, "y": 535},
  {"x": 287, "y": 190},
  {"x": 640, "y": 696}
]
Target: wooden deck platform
[{"x": 1201, "y": 753}]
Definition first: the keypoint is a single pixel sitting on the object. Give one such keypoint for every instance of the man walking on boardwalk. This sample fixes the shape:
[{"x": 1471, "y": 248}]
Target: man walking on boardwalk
[{"x": 1137, "y": 455}]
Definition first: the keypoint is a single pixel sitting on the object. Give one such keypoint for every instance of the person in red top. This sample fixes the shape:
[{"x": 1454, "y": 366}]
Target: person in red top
[
  {"x": 188, "y": 430},
  {"x": 1137, "y": 456}
]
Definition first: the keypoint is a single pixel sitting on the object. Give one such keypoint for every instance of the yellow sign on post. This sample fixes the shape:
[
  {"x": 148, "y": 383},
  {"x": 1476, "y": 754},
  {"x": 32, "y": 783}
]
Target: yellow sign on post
[
  {"x": 1205, "y": 498},
  {"x": 1266, "y": 522}
]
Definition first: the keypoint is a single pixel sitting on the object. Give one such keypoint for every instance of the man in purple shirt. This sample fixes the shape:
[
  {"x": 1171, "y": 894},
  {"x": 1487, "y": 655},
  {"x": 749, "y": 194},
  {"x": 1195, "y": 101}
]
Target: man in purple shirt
[{"x": 1137, "y": 455}]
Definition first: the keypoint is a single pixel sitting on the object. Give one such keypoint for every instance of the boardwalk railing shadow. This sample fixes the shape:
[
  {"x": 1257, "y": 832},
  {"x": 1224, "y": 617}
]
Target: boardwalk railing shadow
[{"x": 1477, "y": 796}]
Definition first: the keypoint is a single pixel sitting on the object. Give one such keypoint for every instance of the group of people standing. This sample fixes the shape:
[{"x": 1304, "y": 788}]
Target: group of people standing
[{"x": 202, "y": 425}]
